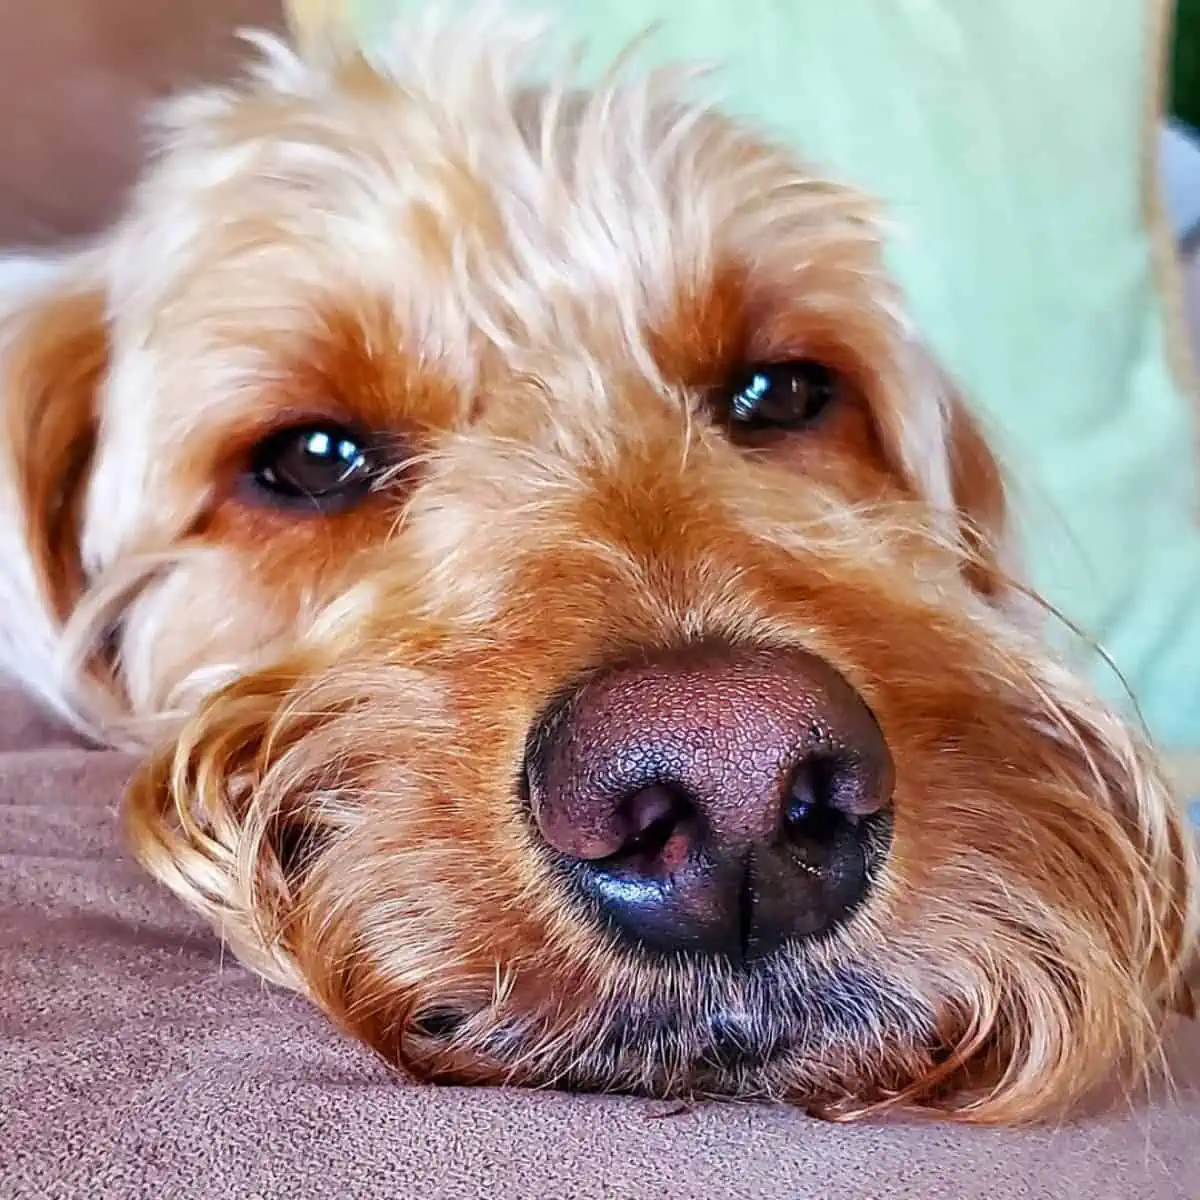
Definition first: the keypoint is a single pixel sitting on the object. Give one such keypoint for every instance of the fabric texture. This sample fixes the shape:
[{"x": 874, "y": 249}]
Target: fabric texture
[
  {"x": 1014, "y": 146},
  {"x": 136, "y": 1061}
]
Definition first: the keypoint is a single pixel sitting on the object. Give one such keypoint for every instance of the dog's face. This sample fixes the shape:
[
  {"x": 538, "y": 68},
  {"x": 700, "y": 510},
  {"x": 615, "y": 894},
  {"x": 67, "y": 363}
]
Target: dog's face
[{"x": 627, "y": 689}]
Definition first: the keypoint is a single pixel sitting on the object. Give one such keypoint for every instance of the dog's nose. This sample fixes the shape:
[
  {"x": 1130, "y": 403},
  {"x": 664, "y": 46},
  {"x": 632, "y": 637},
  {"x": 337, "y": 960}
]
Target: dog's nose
[{"x": 715, "y": 801}]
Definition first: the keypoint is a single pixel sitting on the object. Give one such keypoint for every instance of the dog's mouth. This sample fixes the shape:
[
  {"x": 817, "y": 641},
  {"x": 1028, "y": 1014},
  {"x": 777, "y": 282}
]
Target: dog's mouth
[{"x": 713, "y": 1032}]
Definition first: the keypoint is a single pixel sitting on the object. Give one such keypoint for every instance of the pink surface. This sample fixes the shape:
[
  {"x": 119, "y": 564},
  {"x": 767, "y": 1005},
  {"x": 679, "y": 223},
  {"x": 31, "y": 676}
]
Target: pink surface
[{"x": 135, "y": 1061}]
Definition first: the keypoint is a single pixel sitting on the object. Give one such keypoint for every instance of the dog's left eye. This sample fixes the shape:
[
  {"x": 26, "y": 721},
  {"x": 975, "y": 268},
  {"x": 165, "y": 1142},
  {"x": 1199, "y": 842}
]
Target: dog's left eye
[
  {"x": 786, "y": 395},
  {"x": 322, "y": 465}
]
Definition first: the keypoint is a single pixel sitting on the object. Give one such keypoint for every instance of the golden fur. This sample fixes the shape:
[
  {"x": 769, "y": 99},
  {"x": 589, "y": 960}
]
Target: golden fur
[{"x": 535, "y": 294}]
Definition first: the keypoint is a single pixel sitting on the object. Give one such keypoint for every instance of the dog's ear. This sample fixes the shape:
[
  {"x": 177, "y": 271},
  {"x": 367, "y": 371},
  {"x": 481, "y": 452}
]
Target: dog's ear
[
  {"x": 55, "y": 353},
  {"x": 53, "y": 357},
  {"x": 950, "y": 461},
  {"x": 978, "y": 491},
  {"x": 939, "y": 449}
]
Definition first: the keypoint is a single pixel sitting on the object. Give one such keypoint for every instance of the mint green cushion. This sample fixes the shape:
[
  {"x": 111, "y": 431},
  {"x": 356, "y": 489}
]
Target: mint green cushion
[{"x": 1008, "y": 139}]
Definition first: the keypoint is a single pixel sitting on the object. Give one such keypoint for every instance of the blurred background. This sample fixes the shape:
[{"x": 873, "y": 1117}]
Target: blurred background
[
  {"x": 1185, "y": 63},
  {"x": 1181, "y": 142}
]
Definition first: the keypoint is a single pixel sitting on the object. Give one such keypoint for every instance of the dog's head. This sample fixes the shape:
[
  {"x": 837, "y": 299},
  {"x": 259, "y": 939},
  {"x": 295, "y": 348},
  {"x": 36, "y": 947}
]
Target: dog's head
[{"x": 628, "y": 690}]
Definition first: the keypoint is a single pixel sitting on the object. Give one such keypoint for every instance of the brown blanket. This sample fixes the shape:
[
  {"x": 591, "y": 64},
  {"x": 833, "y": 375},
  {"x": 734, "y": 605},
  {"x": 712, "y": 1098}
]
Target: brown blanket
[{"x": 136, "y": 1061}]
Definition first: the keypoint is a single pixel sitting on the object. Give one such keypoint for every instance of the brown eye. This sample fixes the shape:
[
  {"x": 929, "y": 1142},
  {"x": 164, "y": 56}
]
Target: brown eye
[
  {"x": 324, "y": 466},
  {"x": 787, "y": 395}
]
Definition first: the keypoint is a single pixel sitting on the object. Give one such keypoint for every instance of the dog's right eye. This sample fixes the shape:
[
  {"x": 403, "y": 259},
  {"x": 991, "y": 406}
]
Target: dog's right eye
[
  {"x": 324, "y": 466},
  {"x": 783, "y": 395}
]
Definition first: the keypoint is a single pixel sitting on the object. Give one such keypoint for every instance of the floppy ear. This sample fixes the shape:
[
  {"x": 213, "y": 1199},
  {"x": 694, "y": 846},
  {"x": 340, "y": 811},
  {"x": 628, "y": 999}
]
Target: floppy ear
[
  {"x": 978, "y": 491},
  {"x": 940, "y": 451},
  {"x": 53, "y": 355},
  {"x": 949, "y": 460}
]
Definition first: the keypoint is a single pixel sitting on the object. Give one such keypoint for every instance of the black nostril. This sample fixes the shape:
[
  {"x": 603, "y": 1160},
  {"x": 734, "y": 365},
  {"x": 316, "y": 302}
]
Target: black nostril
[
  {"x": 661, "y": 827},
  {"x": 812, "y": 813}
]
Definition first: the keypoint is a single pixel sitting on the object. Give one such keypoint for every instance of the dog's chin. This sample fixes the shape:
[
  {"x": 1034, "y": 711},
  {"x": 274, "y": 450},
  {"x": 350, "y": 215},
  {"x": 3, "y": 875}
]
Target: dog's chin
[{"x": 765, "y": 1029}]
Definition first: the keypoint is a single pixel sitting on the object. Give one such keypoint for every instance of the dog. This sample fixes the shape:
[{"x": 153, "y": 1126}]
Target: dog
[{"x": 569, "y": 620}]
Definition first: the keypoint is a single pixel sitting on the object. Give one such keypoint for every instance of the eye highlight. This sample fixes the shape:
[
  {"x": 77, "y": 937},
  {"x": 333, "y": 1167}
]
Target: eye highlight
[
  {"x": 785, "y": 395},
  {"x": 319, "y": 465}
]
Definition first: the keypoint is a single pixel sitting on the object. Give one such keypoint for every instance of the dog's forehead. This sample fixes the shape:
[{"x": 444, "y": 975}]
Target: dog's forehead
[{"x": 524, "y": 217}]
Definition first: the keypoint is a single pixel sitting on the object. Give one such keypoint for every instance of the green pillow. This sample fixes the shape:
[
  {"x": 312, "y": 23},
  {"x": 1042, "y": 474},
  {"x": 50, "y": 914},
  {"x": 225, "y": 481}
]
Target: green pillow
[{"x": 1013, "y": 144}]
